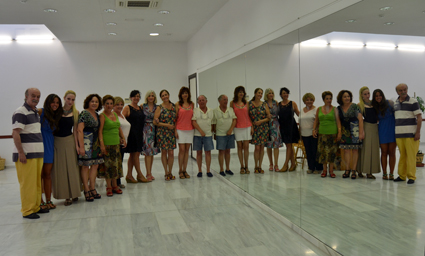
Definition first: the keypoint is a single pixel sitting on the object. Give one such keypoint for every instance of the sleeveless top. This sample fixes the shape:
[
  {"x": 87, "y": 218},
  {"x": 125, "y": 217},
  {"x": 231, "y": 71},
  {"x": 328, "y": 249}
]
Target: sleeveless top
[
  {"x": 184, "y": 118},
  {"x": 243, "y": 120},
  {"x": 370, "y": 116},
  {"x": 307, "y": 122},
  {"x": 327, "y": 123},
  {"x": 125, "y": 127},
  {"x": 111, "y": 131},
  {"x": 65, "y": 127}
]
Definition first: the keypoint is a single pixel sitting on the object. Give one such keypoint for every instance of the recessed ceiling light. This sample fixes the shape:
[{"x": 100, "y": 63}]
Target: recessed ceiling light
[
  {"x": 154, "y": 34},
  {"x": 386, "y": 8},
  {"x": 350, "y": 21},
  {"x": 388, "y": 23},
  {"x": 50, "y": 10},
  {"x": 111, "y": 24},
  {"x": 112, "y": 34},
  {"x": 163, "y": 12},
  {"x": 158, "y": 25},
  {"x": 110, "y": 10}
]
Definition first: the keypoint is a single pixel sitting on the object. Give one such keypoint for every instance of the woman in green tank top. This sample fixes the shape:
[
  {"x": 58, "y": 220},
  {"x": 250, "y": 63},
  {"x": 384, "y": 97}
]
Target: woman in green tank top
[{"x": 328, "y": 129}]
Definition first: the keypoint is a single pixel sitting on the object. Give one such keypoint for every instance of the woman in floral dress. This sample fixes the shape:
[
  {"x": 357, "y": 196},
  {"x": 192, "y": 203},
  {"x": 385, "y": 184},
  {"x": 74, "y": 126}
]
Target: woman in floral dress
[
  {"x": 259, "y": 114},
  {"x": 149, "y": 145},
  {"x": 275, "y": 141},
  {"x": 165, "y": 120}
]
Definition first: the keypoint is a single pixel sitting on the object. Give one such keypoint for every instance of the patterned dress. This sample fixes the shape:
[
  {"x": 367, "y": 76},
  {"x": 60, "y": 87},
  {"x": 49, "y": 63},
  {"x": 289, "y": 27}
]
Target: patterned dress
[
  {"x": 135, "y": 137},
  {"x": 350, "y": 127},
  {"x": 274, "y": 126},
  {"x": 288, "y": 125},
  {"x": 149, "y": 145},
  {"x": 261, "y": 132},
  {"x": 91, "y": 142},
  {"x": 165, "y": 137}
]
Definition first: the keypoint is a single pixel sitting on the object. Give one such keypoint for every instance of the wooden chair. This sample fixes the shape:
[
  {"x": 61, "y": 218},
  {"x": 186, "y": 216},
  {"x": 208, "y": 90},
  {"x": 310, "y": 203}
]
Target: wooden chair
[{"x": 300, "y": 155}]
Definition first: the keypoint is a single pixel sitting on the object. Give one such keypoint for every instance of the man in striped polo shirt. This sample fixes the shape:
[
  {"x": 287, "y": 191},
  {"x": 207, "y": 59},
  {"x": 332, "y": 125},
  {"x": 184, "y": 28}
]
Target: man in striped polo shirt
[
  {"x": 28, "y": 153},
  {"x": 408, "y": 121}
]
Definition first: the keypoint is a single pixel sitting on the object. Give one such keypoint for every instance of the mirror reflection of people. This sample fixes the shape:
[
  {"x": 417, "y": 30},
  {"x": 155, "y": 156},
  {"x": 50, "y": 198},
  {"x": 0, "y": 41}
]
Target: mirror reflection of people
[
  {"x": 28, "y": 153},
  {"x": 408, "y": 123},
  {"x": 224, "y": 123},
  {"x": 202, "y": 140},
  {"x": 352, "y": 132},
  {"x": 368, "y": 162},
  {"x": 275, "y": 141},
  {"x": 243, "y": 129},
  {"x": 327, "y": 128},
  {"x": 184, "y": 129},
  {"x": 386, "y": 130},
  {"x": 165, "y": 120},
  {"x": 288, "y": 127},
  {"x": 307, "y": 119},
  {"x": 260, "y": 117}
]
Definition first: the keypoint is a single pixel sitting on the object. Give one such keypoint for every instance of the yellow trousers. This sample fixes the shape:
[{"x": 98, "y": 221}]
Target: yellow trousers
[
  {"x": 29, "y": 177},
  {"x": 407, "y": 163}
]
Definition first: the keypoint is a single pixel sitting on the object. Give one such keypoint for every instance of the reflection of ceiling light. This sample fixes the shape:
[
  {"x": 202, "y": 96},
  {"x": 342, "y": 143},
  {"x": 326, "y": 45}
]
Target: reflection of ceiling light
[
  {"x": 386, "y": 8},
  {"x": 388, "y": 23},
  {"x": 346, "y": 44},
  {"x": 350, "y": 21},
  {"x": 316, "y": 43},
  {"x": 50, "y": 10},
  {"x": 154, "y": 34},
  {"x": 111, "y": 24},
  {"x": 158, "y": 25},
  {"x": 110, "y": 10},
  {"x": 382, "y": 46},
  {"x": 407, "y": 47},
  {"x": 5, "y": 39},
  {"x": 163, "y": 12},
  {"x": 112, "y": 34},
  {"x": 34, "y": 38}
]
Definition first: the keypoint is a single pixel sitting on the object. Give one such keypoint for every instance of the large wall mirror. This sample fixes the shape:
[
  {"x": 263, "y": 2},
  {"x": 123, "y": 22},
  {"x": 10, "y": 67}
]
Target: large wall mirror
[{"x": 355, "y": 47}]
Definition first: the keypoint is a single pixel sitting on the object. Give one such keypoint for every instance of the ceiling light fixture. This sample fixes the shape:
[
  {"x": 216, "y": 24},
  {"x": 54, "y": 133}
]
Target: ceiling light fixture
[
  {"x": 111, "y": 24},
  {"x": 50, "y": 10},
  {"x": 315, "y": 43},
  {"x": 346, "y": 44},
  {"x": 381, "y": 46},
  {"x": 154, "y": 34},
  {"x": 389, "y": 23},
  {"x": 163, "y": 12},
  {"x": 110, "y": 10},
  {"x": 407, "y": 47},
  {"x": 386, "y": 8},
  {"x": 112, "y": 34},
  {"x": 350, "y": 21},
  {"x": 5, "y": 39},
  {"x": 158, "y": 25}
]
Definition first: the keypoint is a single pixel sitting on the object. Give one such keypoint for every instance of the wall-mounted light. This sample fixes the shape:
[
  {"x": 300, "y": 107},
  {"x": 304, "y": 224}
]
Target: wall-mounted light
[
  {"x": 409, "y": 47},
  {"x": 315, "y": 43},
  {"x": 347, "y": 44},
  {"x": 380, "y": 46},
  {"x": 34, "y": 39},
  {"x": 5, "y": 40},
  {"x": 154, "y": 34}
]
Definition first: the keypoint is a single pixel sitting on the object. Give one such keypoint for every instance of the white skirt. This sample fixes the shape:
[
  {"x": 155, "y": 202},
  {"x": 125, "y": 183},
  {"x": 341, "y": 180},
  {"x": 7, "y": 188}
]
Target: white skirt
[
  {"x": 242, "y": 133},
  {"x": 185, "y": 136}
]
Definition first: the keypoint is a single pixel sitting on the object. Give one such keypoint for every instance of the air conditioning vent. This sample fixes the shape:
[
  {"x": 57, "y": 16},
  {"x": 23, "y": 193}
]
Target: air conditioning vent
[{"x": 139, "y": 4}]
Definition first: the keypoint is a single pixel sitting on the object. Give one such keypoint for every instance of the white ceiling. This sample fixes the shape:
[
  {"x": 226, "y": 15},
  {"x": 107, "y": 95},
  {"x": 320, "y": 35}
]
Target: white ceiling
[{"x": 85, "y": 20}]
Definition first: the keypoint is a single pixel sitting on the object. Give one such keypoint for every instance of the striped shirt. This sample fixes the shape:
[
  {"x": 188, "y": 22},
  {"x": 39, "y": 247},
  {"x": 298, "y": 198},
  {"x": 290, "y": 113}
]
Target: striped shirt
[
  {"x": 405, "y": 117},
  {"x": 28, "y": 120}
]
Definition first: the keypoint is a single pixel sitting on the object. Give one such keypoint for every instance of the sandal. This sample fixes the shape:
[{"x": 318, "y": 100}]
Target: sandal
[
  {"x": 346, "y": 174},
  {"x": 149, "y": 178},
  {"x": 167, "y": 178},
  {"x": 242, "y": 170},
  {"x": 370, "y": 176},
  {"x": 324, "y": 174},
  {"x": 186, "y": 175},
  {"x": 68, "y": 202},
  {"x": 257, "y": 170},
  {"x": 43, "y": 206},
  {"x": 132, "y": 180},
  {"x": 260, "y": 171},
  {"x": 276, "y": 168},
  {"x": 360, "y": 174},
  {"x": 172, "y": 177},
  {"x": 75, "y": 199},
  {"x": 142, "y": 180},
  {"x": 332, "y": 174},
  {"x": 181, "y": 175},
  {"x": 353, "y": 175},
  {"x": 109, "y": 192},
  {"x": 117, "y": 190},
  {"x": 293, "y": 168},
  {"x": 51, "y": 205},
  {"x": 271, "y": 167},
  {"x": 385, "y": 176},
  {"x": 89, "y": 197},
  {"x": 391, "y": 176},
  {"x": 247, "y": 171},
  {"x": 95, "y": 196},
  {"x": 284, "y": 168}
]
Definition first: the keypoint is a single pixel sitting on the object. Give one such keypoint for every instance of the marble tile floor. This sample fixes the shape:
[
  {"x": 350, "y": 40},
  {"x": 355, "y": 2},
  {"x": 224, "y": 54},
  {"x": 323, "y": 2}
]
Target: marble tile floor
[
  {"x": 355, "y": 217},
  {"x": 182, "y": 217}
]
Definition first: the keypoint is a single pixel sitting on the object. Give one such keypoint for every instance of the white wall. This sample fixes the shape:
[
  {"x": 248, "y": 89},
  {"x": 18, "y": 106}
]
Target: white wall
[
  {"x": 242, "y": 25},
  {"x": 103, "y": 68}
]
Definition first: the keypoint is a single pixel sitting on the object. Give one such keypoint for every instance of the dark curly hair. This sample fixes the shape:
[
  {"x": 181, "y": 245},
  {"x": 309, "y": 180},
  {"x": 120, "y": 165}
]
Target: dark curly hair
[
  {"x": 236, "y": 92},
  {"x": 89, "y": 98},
  {"x": 326, "y": 93},
  {"x": 283, "y": 89},
  {"x": 133, "y": 93},
  {"x": 108, "y": 97},
  {"x": 340, "y": 94},
  {"x": 380, "y": 107},
  {"x": 183, "y": 90},
  {"x": 51, "y": 116}
]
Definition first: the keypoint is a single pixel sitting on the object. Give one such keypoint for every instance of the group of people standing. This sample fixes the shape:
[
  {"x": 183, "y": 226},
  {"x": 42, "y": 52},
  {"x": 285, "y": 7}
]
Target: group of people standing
[{"x": 58, "y": 147}]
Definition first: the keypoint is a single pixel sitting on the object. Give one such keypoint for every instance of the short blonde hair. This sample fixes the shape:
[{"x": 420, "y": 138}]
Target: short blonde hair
[
  {"x": 118, "y": 100},
  {"x": 148, "y": 94},
  {"x": 308, "y": 95},
  {"x": 268, "y": 90}
]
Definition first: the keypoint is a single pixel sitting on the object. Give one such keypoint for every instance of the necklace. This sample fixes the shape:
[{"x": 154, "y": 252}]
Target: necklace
[
  {"x": 67, "y": 112},
  {"x": 368, "y": 103}
]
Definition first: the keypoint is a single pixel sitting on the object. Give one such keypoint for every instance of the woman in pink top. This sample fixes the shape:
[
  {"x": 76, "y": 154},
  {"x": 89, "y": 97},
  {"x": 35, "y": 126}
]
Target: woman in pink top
[
  {"x": 184, "y": 129},
  {"x": 243, "y": 130}
]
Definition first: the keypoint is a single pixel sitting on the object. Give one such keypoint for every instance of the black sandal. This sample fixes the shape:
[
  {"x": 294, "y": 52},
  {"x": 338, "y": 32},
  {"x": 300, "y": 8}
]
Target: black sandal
[
  {"x": 95, "y": 196},
  {"x": 346, "y": 174},
  {"x": 89, "y": 197},
  {"x": 353, "y": 175}
]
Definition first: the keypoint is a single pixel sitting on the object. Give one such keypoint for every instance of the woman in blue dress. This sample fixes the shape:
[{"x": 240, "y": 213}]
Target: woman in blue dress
[
  {"x": 49, "y": 119},
  {"x": 386, "y": 129}
]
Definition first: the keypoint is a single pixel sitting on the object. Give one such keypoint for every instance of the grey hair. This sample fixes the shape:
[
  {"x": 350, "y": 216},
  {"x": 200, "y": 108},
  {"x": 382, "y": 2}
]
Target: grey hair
[
  {"x": 221, "y": 96},
  {"x": 202, "y": 96}
]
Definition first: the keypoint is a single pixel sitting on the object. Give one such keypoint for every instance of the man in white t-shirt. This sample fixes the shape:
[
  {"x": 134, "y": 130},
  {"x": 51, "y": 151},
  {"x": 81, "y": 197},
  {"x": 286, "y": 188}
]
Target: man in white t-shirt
[
  {"x": 201, "y": 120},
  {"x": 223, "y": 123}
]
